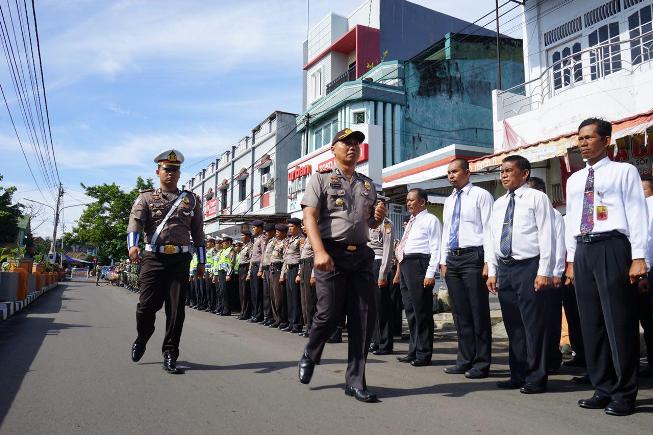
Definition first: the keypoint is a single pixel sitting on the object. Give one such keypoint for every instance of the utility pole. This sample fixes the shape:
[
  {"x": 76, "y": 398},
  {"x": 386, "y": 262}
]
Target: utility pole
[
  {"x": 52, "y": 253},
  {"x": 499, "y": 81}
]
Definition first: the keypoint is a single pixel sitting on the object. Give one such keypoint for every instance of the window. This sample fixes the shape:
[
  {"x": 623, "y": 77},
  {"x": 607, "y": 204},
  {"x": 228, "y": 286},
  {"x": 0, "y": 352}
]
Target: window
[
  {"x": 316, "y": 79},
  {"x": 358, "y": 117},
  {"x": 334, "y": 128},
  {"x": 606, "y": 59},
  {"x": 242, "y": 190},
  {"x": 317, "y": 141},
  {"x": 639, "y": 24},
  {"x": 567, "y": 66},
  {"x": 223, "y": 198},
  {"x": 265, "y": 178}
]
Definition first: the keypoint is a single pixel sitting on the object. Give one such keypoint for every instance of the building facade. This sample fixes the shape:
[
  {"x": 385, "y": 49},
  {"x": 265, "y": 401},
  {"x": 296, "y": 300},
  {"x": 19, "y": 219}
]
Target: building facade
[
  {"x": 586, "y": 58},
  {"x": 250, "y": 178}
]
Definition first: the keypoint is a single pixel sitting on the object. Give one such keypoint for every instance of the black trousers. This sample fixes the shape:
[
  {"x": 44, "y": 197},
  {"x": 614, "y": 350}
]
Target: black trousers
[
  {"x": 210, "y": 290},
  {"x": 397, "y": 305},
  {"x": 256, "y": 285},
  {"x": 573, "y": 321},
  {"x": 164, "y": 281},
  {"x": 278, "y": 295},
  {"x": 382, "y": 336},
  {"x": 308, "y": 295},
  {"x": 267, "y": 294},
  {"x": 553, "y": 326},
  {"x": 192, "y": 299},
  {"x": 524, "y": 317},
  {"x": 244, "y": 291},
  {"x": 293, "y": 297},
  {"x": 219, "y": 292},
  {"x": 607, "y": 304},
  {"x": 348, "y": 289},
  {"x": 471, "y": 309},
  {"x": 201, "y": 292},
  {"x": 225, "y": 294},
  {"x": 418, "y": 303}
]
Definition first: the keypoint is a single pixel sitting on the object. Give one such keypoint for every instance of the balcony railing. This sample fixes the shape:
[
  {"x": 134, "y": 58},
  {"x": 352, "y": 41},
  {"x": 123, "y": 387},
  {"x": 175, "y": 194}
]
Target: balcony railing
[
  {"x": 577, "y": 69},
  {"x": 347, "y": 76}
]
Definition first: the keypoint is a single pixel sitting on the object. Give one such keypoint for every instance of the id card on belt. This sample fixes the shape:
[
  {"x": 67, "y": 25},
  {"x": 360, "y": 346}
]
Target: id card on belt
[{"x": 601, "y": 213}]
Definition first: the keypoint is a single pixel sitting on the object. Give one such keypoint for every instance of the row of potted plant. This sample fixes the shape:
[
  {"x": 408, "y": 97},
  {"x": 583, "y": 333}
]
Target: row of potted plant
[{"x": 16, "y": 271}]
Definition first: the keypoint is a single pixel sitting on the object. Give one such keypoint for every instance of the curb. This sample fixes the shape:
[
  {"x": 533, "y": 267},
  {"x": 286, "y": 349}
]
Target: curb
[{"x": 8, "y": 309}]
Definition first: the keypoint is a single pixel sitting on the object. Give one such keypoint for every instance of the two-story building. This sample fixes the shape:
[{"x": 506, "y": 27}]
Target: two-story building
[
  {"x": 250, "y": 178},
  {"x": 583, "y": 58}
]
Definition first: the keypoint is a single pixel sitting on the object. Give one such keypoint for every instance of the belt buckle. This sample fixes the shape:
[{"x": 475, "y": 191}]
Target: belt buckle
[
  {"x": 586, "y": 238},
  {"x": 351, "y": 248},
  {"x": 169, "y": 249}
]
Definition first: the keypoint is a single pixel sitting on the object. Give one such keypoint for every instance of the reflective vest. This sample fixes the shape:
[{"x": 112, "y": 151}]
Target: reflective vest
[
  {"x": 193, "y": 262},
  {"x": 225, "y": 260},
  {"x": 216, "y": 261},
  {"x": 236, "y": 263},
  {"x": 209, "y": 260}
]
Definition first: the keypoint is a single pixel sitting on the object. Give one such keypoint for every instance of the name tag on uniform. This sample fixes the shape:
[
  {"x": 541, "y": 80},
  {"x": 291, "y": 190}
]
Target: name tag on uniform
[
  {"x": 335, "y": 185},
  {"x": 601, "y": 213}
]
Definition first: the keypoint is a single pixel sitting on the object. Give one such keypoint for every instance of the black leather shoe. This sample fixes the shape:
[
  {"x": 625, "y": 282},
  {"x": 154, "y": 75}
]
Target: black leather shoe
[
  {"x": 594, "y": 402},
  {"x": 362, "y": 395},
  {"x": 273, "y": 325},
  {"x": 335, "y": 338},
  {"x": 510, "y": 384},
  {"x": 455, "y": 370},
  {"x": 226, "y": 314},
  {"x": 170, "y": 363},
  {"x": 475, "y": 373},
  {"x": 574, "y": 362},
  {"x": 268, "y": 322},
  {"x": 619, "y": 409},
  {"x": 581, "y": 380},
  {"x": 285, "y": 328},
  {"x": 532, "y": 389},
  {"x": 306, "y": 367},
  {"x": 382, "y": 352},
  {"x": 137, "y": 351},
  {"x": 406, "y": 358},
  {"x": 373, "y": 347},
  {"x": 296, "y": 331},
  {"x": 420, "y": 363}
]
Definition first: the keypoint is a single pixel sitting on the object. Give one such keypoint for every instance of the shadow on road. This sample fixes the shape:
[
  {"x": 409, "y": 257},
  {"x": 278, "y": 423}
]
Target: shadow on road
[{"x": 21, "y": 338}]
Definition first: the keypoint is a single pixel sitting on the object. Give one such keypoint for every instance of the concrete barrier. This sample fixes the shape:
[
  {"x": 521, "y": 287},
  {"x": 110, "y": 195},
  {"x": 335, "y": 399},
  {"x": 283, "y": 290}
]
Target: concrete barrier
[
  {"x": 8, "y": 286},
  {"x": 10, "y": 308}
]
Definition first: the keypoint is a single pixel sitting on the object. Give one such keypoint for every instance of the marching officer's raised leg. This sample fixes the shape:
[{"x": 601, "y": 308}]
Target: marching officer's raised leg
[
  {"x": 169, "y": 218},
  {"x": 339, "y": 209}
]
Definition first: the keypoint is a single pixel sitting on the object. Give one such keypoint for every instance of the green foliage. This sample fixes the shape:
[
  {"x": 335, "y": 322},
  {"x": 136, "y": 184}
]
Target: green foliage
[
  {"x": 9, "y": 215},
  {"x": 103, "y": 223}
]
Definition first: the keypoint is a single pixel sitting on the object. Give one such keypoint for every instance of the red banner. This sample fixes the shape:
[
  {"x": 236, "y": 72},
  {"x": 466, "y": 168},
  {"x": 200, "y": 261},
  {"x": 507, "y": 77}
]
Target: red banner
[{"x": 211, "y": 208}]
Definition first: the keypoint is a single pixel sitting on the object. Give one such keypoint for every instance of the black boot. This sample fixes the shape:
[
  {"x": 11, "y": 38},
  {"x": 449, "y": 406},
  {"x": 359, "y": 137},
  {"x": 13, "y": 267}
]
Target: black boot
[{"x": 170, "y": 363}]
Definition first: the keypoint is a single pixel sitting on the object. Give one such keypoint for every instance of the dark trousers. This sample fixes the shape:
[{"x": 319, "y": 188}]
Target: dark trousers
[
  {"x": 348, "y": 289},
  {"x": 224, "y": 292},
  {"x": 471, "y": 309},
  {"x": 553, "y": 326},
  {"x": 607, "y": 304},
  {"x": 244, "y": 291},
  {"x": 382, "y": 336},
  {"x": 201, "y": 291},
  {"x": 397, "y": 306},
  {"x": 219, "y": 291},
  {"x": 524, "y": 317},
  {"x": 307, "y": 290},
  {"x": 267, "y": 294},
  {"x": 293, "y": 298},
  {"x": 646, "y": 319},
  {"x": 164, "y": 281},
  {"x": 256, "y": 285},
  {"x": 573, "y": 321},
  {"x": 418, "y": 303},
  {"x": 278, "y": 295},
  {"x": 210, "y": 290},
  {"x": 192, "y": 299},
  {"x": 234, "y": 292}
]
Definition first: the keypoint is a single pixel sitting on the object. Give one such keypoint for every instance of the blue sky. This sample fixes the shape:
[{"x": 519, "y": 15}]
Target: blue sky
[{"x": 127, "y": 79}]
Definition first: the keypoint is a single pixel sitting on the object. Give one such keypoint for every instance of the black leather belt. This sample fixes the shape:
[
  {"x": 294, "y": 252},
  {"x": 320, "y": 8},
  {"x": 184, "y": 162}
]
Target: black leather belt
[
  {"x": 599, "y": 237},
  {"x": 243, "y": 265},
  {"x": 265, "y": 267},
  {"x": 308, "y": 260},
  {"x": 293, "y": 266},
  {"x": 462, "y": 251},
  {"x": 342, "y": 245},
  {"x": 414, "y": 256},
  {"x": 276, "y": 266},
  {"x": 510, "y": 261}
]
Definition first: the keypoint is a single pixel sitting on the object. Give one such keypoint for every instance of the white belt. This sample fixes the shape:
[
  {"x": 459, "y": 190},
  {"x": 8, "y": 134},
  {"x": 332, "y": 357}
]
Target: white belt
[{"x": 167, "y": 249}]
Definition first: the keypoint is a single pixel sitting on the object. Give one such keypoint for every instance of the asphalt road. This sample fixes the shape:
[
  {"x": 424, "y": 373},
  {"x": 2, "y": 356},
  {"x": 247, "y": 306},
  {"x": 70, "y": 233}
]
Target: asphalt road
[{"x": 65, "y": 368}]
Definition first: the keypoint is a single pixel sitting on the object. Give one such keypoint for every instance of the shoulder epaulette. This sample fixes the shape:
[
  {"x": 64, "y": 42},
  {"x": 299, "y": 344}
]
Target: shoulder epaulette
[
  {"x": 325, "y": 170},
  {"x": 145, "y": 190},
  {"x": 363, "y": 176}
]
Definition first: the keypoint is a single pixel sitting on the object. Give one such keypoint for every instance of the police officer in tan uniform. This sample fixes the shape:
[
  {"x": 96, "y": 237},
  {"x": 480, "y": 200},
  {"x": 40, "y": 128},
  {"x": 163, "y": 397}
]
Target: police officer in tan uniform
[
  {"x": 277, "y": 283},
  {"x": 168, "y": 217},
  {"x": 255, "y": 281},
  {"x": 290, "y": 275},
  {"x": 339, "y": 209},
  {"x": 381, "y": 242},
  {"x": 244, "y": 258},
  {"x": 264, "y": 273},
  {"x": 307, "y": 284}
]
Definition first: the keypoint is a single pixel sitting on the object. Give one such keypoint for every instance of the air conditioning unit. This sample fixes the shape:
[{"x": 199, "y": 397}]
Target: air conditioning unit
[{"x": 267, "y": 180}]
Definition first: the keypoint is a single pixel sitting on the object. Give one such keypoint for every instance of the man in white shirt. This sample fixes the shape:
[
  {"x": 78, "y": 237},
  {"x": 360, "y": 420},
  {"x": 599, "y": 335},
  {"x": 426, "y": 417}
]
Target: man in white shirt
[
  {"x": 554, "y": 293},
  {"x": 645, "y": 294},
  {"x": 467, "y": 213},
  {"x": 606, "y": 246},
  {"x": 418, "y": 254},
  {"x": 521, "y": 268}
]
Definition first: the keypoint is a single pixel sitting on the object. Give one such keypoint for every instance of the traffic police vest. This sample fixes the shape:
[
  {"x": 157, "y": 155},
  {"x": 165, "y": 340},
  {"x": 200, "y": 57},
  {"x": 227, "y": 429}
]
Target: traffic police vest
[
  {"x": 193, "y": 263},
  {"x": 209, "y": 260},
  {"x": 225, "y": 261}
]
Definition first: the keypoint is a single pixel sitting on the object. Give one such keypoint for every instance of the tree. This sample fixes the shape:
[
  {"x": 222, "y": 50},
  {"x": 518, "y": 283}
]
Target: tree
[
  {"x": 103, "y": 223},
  {"x": 9, "y": 214}
]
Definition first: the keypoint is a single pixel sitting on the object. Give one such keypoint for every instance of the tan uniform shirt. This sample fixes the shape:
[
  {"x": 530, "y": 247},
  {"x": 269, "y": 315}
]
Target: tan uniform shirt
[
  {"x": 292, "y": 252},
  {"x": 277, "y": 251},
  {"x": 258, "y": 248},
  {"x": 345, "y": 208},
  {"x": 269, "y": 244},
  {"x": 381, "y": 242},
  {"x": 245, "y": 254},
  {"x": 152, "y": 206}
]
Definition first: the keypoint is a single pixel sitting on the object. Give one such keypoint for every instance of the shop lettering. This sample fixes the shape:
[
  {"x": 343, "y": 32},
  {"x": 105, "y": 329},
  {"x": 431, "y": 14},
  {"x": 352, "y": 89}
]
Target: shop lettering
[{"x": 300, "y": 171}]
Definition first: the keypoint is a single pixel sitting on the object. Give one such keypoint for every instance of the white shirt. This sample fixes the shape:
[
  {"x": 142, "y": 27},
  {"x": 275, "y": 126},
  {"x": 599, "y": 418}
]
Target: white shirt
[
  {"x": 475, "y": 213},
  {"x": 618, "y": 187},
  {"x": 649, "y": 245},
  {"x": 424, "y": 238},
  {"x": 559, "y": 262},
  {"x": 532, "y": 229}
]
